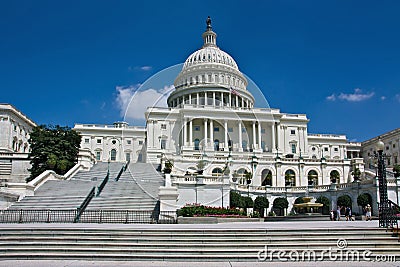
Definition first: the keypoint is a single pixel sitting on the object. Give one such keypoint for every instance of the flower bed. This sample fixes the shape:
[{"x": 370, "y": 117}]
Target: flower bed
[{"x": 194, "y": 210}]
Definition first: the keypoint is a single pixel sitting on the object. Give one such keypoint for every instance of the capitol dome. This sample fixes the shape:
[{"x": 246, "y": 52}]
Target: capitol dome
[{"x": 210, "y": 71}]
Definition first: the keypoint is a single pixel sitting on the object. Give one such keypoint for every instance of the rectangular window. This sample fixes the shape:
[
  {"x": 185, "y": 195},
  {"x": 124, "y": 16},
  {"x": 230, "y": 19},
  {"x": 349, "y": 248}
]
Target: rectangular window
[
  {"x": 86, "y": 140},
  {"x": 216, "y": 129},
  {"x": 243, "y": 130},
  {"x": 230, "y": 130},
  {"x": 293, "y": 148},
  {"x": 336, "y": 149},
  {"x": 128, "y": 142},
  {"x": 163, "y": 126},
  {"x": 196, "y": 128},
  {"x": 98, "y": 155},
  {"x": 292, "y": 132},
  {"x": 325, "y": 149},
  {"x": 99, "y": 141},
  {"x": 163, "y": 144},
  {"x": 263, "y": 130},
  {"x": 128, "y": 156},
  {"x": 140, "y": 142}
]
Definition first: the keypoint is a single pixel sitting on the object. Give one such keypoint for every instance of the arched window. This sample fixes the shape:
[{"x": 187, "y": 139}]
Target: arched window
[
  {"x": 196, "y": 144},
  {"x": 244, "y": 145},
  {"x": 241, "y": 175},
  {"x": 335, "y": 176},
  {"x": 113, "y": 154},
  {"x": 216, "y": 145},
  {"x": 266, "y": 177},
  {"x": 312, "y": 177},
  {"x": 290, "y": 178},
  {"x": 217, "y": 172}
]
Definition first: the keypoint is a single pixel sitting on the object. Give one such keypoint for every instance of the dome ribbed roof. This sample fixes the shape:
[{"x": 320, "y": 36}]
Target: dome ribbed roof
[{"x": 210, "y": 54}]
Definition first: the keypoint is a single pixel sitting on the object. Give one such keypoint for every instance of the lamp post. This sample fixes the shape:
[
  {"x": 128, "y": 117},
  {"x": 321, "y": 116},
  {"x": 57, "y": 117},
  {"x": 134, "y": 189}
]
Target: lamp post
[
  {"x": 384, "y": 210},
  {"x": 254, "y": 164}
]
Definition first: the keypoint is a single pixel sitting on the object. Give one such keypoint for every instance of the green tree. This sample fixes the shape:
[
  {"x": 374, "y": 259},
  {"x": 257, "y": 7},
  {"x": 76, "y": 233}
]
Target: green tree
[
  {"x": 356, "y": 174},
  {"x": 324, "y": 200},
  {"x": 396, "y": 170},
  {"x": 235, "y": 200},
  {"x": 261, "y": 203},
  {"x": 280, "y": 203},
  {"x": 364, "y": 199},
  {"x": 53, "y": 148},
  {"x": 299, "y": 200},
  {"x": 344, "y": 201},
  {"x": 247, "y": 202}
]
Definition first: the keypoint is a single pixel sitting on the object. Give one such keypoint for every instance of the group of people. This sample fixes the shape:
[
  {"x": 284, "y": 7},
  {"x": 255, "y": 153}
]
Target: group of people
[{"x": 335, "y": 214}]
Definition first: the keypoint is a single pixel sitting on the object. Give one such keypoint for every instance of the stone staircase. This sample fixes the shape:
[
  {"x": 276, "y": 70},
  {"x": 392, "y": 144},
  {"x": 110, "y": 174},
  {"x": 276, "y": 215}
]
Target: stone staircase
[
  {"x": 99, "y": 171},
  {"x": 197, "y": 243},
  {"x": 136, "y": 189},
  {"x": 57, "y": 195}
]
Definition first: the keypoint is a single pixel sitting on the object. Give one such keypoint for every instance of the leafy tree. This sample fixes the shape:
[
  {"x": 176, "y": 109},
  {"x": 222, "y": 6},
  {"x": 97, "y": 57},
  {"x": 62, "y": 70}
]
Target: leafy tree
[
  {"x": 364, "y": 199},
  {"x": 280, "y": 203},
  {"x": 344, "y": 201},
  {"x": 357, "y": 174},
  {"x": 261, "y": 203},
  {"x": 53, "y": 148},
  {"x": 299, "y": 200},
  {"x": 326, "y": 202},
  {"x": 235, "y": 200},
  {"x": 247, "y": 202},
  {"x": 396, "y": 170}
]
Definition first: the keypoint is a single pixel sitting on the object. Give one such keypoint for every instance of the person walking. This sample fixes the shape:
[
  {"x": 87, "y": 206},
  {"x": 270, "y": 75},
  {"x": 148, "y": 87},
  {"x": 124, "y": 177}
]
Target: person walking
[
  {"x": 338, "y": 213},
  {"x": 368, "y": 212},
  {"x": 348, "y": 214}
]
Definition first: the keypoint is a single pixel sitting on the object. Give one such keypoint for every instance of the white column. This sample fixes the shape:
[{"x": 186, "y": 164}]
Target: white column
[
  {"x": 240, "y": 136},
  {"x": 222, "y": 99},
  {"x": 184, "y": 132},
  {"x": 226, "y": 134},
  {"x": 273, "y": 137},
  {"x": 242, "y": 102},
  {"x": 191, "y": 133},
  {"x": 237, "y": 101},
  {"x": 205, "y": 131},
  {"x": 247, "y": 103},
  {"x": 212, "y": 132},
  {"x": 259, "y": 135},
  {"x": 198, "y": 99},
  {"x": 183, "y": 100},
  {"x": 254, "y": 135},
  {"x": 205, "y": 98},
  {"x": 190, "y": 99},
  {"x": 230, "y": 100},
  {"x": 214, "y": 99}
]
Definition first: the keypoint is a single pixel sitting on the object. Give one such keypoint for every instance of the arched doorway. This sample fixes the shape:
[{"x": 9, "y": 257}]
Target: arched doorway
[
  {"x": 266, "y": 178},
  {"x": 312, "y": 178},
  {"x": 196, "y": 144},
  {"x": 290, "y": 178},
  {"x": 334, "y": 176},
  {"x": 216, "y": 145}
]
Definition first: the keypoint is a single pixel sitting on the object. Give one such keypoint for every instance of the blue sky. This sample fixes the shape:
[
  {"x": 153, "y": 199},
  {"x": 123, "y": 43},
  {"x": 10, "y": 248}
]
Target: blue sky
[{"x": 66, "y": 62}]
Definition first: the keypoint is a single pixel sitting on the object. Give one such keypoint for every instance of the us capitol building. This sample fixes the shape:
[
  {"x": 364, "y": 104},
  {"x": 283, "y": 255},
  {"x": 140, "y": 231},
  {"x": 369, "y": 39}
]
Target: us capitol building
[{"x": 217, "y": 141}]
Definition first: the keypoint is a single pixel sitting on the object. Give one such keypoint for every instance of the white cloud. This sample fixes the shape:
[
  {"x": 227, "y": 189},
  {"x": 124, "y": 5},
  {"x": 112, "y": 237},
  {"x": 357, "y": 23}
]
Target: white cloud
[
  {"x": 332, "y": 97},
  {"x": 133, "y": 103},
  {"x": 383, "y": 98},
  {"x": 140, "y": 68},
  {"x": 145, "y": 68},
  {"x": 357, "y": 96},
  {"x": 397, "y": 97}
]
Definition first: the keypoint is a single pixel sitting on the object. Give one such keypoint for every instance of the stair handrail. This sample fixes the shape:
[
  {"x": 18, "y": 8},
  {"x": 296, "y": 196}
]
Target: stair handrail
[
  {"x": 120, "y": 173},
  {"x": 393, "y": 225},
  {"x": 85, "y": 203},
  {"x": 126, "y": 165},
  {"x": 103, "y": 184}
]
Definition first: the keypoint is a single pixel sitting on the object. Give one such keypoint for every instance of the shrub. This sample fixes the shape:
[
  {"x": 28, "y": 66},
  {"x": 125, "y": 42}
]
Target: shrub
[
  {"x": 280, "y": 203},
  {"x": 326, "y": 202},
  {"x": 299, "y": 200},
  {"x": 364, "y": 199},
  {"x": 247, "y": 202},
  {"x": 261, "y": 203},
  {"x": 200, "y": 210},
  {"x": 235, "y": 200},
  {"x": 344, "y": 201}
]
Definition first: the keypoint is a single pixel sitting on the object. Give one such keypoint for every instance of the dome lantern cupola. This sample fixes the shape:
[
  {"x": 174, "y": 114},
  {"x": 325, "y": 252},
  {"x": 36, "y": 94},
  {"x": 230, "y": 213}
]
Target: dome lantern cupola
[{"x": 209, "y": 37}]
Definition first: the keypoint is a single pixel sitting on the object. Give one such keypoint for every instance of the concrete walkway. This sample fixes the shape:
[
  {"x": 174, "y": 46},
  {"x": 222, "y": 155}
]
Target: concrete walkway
[{"x": 240, "y": 225}]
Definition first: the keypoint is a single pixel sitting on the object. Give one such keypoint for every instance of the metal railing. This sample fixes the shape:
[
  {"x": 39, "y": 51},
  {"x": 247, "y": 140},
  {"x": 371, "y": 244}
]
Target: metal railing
[
  {"x": 88, "y": 216},
  {"x": 119, "y": 174},
  {"x": 103, "y": 184},
  {"x": 84, "y": 204},
  {"x": 393, "y": 217}
]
